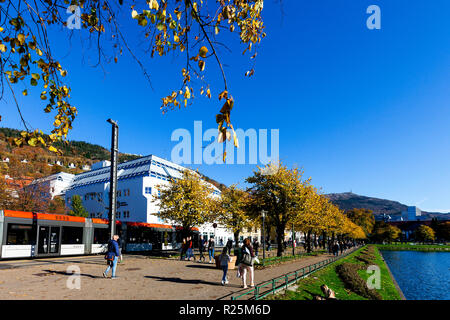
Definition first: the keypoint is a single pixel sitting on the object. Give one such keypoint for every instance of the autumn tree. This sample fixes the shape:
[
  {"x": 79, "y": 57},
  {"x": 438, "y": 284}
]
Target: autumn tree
[
  {"x": 77, "y": 207},
  {"x": 32, "y": 198},
  {"x": 233, "y": 213},
  {"x": 57, "y": 205},
  {"x": 363, "y": 218},
  {"x": 383, "y": 231},
  {"x": 197, "y": 31},
  {"x": 281, "y": 194},
  {"x": 186, "y": 202},
  {"x": 424, "y": 234}
]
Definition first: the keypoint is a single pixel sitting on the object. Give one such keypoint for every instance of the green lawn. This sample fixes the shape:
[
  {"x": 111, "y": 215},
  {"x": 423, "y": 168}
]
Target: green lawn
[{"x": 310, "y": 286}]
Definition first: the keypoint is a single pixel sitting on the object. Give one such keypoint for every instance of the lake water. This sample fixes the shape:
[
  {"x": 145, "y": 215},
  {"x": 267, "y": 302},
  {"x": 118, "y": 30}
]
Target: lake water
[{"x": 420, "y": 275}]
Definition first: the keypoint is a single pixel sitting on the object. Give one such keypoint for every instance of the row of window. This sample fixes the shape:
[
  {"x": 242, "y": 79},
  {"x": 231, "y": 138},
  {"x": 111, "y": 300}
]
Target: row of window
[
  {"x": 23, "y": 234},
  {"x": 124, "y": 214}
]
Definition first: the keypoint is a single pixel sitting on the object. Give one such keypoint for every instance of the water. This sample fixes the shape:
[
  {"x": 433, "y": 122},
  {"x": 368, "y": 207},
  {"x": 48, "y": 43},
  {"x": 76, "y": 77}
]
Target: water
[{"x": 420, "y": 275}]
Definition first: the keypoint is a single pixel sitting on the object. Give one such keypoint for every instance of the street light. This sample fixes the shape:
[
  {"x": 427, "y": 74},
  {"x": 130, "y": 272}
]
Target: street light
[
  {"x": 263, "y": 213},
  {"x": 113, "y": 176}
]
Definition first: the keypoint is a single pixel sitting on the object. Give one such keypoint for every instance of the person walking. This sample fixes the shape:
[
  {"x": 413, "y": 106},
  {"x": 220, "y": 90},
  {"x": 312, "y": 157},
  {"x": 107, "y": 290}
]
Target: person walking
[
  {"x": 256, "y": 246},
  {"x": 190, "y": 252},
  {"x": 224, "y": 259},
  {"x": 229, "y": 245},
  {"x": 183, "y": 249},
  {"x": 246, "y": 263},
  {"x": 119, "y": 242},
  {"x": 335, "y": 249},
  {"x": 201, "y": 247},
  {"x": 112, "y": 256},
  {"x": 211, "y": 249}
]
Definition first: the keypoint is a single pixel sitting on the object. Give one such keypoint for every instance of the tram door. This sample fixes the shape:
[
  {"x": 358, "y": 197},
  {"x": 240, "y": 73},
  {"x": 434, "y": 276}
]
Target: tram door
[{"x": 48, "y": 240}]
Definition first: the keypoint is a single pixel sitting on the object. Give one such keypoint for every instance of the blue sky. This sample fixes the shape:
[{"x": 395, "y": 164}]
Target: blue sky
[{"x": 360, "y": 110}]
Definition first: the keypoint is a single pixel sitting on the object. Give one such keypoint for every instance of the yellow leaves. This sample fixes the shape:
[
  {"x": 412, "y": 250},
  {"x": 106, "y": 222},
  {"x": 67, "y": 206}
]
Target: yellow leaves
[
  {"x": 134, "y": 14},
  {"x": 187, "y": 93},
  {"x": 201, "y": 65},
  {"x": 2, "y": 47},
  {"x": 21, "y": 38},
  {"x": 203, "y": 51},
  {"x": 52, "y": 149},
  {"x": 153, "y": 4}
]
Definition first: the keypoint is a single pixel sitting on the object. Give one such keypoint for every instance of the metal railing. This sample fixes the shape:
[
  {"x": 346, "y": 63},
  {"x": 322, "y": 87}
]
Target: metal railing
[{"x": 284, "y": 281}]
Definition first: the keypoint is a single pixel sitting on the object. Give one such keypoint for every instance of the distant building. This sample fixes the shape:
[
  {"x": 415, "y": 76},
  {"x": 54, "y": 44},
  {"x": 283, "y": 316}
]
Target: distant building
[
  {"x": 411, "y": 214},
  {"x": 86, "y": 167},
  {"x": 54, "y": 185}
]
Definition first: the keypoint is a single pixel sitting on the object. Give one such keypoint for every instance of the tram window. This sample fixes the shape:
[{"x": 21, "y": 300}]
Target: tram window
[
  {"x": 140, "y": 235},
  {"x": 72, "y": 235},
  {"x": 21, "y": 234},
  {"x": 101, "y": 235}
]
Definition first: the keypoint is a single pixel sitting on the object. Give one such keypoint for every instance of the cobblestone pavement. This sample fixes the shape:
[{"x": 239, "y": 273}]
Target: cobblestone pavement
[{"x": 139, "y": 277}]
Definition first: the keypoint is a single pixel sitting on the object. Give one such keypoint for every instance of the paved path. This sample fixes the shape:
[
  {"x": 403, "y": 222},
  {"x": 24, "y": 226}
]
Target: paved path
[{"x": 139, "y": 278}]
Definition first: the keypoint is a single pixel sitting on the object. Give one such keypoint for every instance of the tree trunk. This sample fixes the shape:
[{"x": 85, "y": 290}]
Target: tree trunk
[
  {"x": 308, "y": 242},
  {"x": 280, "y": 236}
]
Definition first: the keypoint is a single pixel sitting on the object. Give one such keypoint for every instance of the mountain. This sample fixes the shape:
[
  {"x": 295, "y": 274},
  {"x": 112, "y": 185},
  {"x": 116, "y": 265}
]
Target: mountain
[{"x": 348, "y": 200}]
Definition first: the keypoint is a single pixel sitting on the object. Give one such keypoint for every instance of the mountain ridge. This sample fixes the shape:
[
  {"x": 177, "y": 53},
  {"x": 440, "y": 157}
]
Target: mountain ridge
[{"x": 348, "y": 200}]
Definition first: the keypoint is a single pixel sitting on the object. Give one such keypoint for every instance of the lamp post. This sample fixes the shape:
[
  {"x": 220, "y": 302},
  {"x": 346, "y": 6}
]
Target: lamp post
[
  {"x": 263, "y": 213},
  {"x": 113, "y": 176},
  {"x": 293, "y": 240}
]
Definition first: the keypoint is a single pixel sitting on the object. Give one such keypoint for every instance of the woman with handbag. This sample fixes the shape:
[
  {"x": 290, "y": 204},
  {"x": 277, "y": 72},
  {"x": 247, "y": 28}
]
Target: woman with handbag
[
  {"x": 246, "y": 263},
  {"x": 112, "y": 256}
]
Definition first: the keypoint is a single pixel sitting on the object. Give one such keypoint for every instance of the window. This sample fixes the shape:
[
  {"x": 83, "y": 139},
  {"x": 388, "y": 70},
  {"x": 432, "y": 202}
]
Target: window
[
  {"x": 101, "y": 235},
  {"x": 72, "y": 235},
  {"x": 148, "y": 190},
  {"x": 21, "y": 234}
]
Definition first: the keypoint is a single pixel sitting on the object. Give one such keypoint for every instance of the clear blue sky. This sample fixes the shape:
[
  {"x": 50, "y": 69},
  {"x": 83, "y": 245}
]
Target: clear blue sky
[{"x": 360, "y": 110}]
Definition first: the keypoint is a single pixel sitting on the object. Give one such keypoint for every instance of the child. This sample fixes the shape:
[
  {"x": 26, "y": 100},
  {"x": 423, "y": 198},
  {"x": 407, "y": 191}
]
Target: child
[{"x": 224, "y": 260}]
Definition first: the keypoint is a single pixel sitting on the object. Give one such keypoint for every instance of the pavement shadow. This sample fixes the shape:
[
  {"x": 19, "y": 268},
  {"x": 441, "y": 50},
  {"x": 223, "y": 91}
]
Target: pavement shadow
[
  {"x": 202, "y": 266},
  {"x": 184, "y": 281},
  {"x": 71, "y": 274}
]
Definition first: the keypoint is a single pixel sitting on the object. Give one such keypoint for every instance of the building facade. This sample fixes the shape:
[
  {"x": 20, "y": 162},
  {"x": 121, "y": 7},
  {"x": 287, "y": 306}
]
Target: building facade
[
  {"x": 137, "y": 182},
  {"x": 412, "y": 213}
]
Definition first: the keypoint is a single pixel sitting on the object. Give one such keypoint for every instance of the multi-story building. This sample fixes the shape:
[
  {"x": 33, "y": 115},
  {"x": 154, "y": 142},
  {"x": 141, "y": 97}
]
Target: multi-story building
[{"x": 137, "y": 182}]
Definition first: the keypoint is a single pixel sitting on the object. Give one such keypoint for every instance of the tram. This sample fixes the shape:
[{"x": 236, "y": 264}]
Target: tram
[{"x": 30, "y": 235}]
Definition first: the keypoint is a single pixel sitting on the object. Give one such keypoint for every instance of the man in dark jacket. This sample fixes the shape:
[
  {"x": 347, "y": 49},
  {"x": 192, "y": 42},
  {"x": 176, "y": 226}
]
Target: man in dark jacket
[
  {"x": 229, "y": 246},
  {"x": 201, "y": 247},
  {"x": 112, "y": 256}
]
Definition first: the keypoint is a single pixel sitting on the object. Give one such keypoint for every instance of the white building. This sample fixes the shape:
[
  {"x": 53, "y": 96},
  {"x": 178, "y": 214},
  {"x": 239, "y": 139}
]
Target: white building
[
  {"x": 54, "y": 185},
  {"x": 136, "y": 185}
]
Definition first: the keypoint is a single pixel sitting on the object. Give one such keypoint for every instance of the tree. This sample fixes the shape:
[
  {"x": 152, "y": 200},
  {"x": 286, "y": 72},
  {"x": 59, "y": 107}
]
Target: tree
[
  {"x": 77, "y": 207},
  {"x": 32, "y": 198},
  {"x": 191, "y": 28},
  {"x": 57, "y": 205},
  {"x": 186, "y": 201},
  {"x": 281, "y": 194},
  {"x": 233, "y": 210},
  {"x": 383, "y": 231},
  {"x": 363, "y": 218},
  {"x": 424, "y": 233}
]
